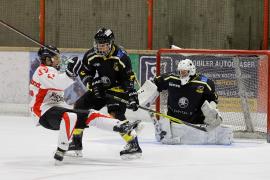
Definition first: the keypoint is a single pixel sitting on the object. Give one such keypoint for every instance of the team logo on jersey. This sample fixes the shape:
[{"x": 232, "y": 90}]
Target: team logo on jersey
[
  {"x": 105, "y": 81},
  {"x": 183, "y": 102},
  {"x": 200, "y": 89},
  {"x": 56, "y": 97},
  {"x": 116, "y": 66}
]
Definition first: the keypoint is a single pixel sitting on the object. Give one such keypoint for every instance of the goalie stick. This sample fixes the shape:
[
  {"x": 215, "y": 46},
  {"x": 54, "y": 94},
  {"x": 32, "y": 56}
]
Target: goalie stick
[{"x": 173, "y": 119}]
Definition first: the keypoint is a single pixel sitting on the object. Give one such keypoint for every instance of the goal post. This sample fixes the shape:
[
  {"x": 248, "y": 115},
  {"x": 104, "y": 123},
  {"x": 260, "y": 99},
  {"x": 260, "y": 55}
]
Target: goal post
[{"x": 241, "y": 81}]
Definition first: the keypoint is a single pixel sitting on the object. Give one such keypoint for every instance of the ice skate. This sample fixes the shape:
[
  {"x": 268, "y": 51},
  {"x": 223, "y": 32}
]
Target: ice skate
[
  {"x": 74, "y": 153},
  {"x": 75, "y": 147},
  {"x": 126, "y": 127},
  {"x": 131, "y": 150},
  {"x": 59, "y": 156}
]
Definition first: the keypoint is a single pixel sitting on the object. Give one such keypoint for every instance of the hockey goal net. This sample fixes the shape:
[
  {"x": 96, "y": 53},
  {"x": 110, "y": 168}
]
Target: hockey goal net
[{"x": 241, "y": 80}]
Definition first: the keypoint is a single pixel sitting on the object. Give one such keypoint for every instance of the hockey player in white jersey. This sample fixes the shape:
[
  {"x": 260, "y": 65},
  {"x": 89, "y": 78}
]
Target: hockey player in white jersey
[
  {"x": 191, "y": 98},
  {"x": 50, "y": 111}
]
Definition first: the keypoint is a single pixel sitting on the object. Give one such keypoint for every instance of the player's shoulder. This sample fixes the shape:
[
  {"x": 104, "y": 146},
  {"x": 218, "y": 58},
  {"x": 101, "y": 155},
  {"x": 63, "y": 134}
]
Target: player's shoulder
[
  {"x": 120, "y": 52},
  {"x": 202, "y": 79},
  {"x": 89, "y": 53},
  {"x": 42, "y": 69},
  {"x": 89, "y": 56},
  {"x": 169, "y": 76}
]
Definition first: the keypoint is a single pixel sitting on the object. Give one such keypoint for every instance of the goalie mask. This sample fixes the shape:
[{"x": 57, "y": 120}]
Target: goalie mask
[
  {"x": 49, "y": 56},
  {"x": 186, "y": 69},
  {"x": 103, "y": 42}
]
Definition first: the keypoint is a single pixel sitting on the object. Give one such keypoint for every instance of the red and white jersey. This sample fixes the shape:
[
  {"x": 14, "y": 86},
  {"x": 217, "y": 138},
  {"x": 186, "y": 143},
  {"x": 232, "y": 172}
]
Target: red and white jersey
[{"x": 47, "y": 89}]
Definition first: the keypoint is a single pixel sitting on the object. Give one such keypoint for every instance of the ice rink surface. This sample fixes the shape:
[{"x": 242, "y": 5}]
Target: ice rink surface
[{"x": 27, "y": 154}]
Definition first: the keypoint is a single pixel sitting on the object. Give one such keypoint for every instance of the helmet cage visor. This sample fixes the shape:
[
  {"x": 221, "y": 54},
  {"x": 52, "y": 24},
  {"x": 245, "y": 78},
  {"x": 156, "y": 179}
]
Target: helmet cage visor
[
  {"x": 183, "y": 73},
  {"x": 102, "y": 48},
  {"x": 186, "y": 68}
]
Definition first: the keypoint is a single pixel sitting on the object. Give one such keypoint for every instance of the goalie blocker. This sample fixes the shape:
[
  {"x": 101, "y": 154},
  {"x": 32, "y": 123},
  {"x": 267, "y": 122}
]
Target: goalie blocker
[{"x": 168, "y": 132}]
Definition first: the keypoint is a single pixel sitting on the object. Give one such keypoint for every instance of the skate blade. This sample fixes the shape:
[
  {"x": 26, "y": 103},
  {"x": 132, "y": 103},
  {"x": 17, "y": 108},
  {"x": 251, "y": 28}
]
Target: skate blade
[
  {"x": 74, "y": 154},
  {"x": 129, "y": 157}
]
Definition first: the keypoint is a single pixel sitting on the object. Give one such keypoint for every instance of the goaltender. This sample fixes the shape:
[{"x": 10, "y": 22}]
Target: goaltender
[{"x": 191, "y": 98}]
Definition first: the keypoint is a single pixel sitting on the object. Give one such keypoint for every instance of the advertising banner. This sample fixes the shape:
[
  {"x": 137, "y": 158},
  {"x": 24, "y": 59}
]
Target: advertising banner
[
  {"x": 228, "y": 72},
  {"x": 148, "y": 67}
]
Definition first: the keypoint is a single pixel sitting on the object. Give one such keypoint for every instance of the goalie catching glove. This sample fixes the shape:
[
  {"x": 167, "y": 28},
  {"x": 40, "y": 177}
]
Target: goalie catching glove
[
  {"x": 73, "y": 67},
  {"x": 148, "y": 93},
  {"x": 212, "y": 115}
]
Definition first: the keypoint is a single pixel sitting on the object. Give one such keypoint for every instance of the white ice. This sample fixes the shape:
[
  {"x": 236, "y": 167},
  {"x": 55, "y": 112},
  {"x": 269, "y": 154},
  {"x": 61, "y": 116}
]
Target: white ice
[{"x": 27, "y": 154}]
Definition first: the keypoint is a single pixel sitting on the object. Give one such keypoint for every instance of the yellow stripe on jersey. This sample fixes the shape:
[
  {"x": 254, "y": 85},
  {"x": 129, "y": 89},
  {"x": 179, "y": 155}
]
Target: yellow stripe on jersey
[
  {"x": 110, "y": 58},
  {"x": 119, "y": 60},
  {"x": 117, "y": 89},
  {"x": 194, "y": 81},
  {"x": 171, "y": 77},
  {"x": 93, "y": 57},
  {"x": 201, "y": 82}
]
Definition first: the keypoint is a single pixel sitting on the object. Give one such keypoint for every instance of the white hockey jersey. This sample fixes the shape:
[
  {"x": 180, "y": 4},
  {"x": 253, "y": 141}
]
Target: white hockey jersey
[{"x": 47, "y": 90}]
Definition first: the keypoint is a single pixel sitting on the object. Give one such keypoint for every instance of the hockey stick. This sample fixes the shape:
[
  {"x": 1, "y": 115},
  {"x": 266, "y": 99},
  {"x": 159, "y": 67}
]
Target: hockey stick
[
  {"x": 29, "y": 38},
  {"x": 173, "y": 119}
]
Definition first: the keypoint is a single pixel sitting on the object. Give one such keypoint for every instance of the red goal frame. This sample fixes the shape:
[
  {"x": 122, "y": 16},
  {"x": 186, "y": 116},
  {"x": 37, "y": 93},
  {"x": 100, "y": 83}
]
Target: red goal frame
[{"x": 208, "y": 51}]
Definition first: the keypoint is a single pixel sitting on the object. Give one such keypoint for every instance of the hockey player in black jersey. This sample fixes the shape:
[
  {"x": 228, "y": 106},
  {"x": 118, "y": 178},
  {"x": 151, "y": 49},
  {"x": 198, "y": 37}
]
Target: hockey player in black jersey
[
  {"x": 106, "y": 68},
  {"x": 187, "y": 91},
  {"x": 191, "y": 98}
]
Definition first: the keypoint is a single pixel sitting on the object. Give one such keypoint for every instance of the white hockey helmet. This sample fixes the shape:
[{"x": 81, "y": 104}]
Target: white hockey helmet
[{"x": 186, "y": 68}]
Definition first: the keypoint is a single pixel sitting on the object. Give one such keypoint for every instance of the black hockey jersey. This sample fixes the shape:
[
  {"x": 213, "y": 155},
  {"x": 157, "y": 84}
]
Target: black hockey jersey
[
  {"x": 115, "y": 70},
  {"x": 185, "y": 101}
]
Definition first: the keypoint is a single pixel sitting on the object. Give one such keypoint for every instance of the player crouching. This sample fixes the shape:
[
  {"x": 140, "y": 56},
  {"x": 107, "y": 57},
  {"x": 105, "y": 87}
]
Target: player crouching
[{"x": 191, "y": 98}]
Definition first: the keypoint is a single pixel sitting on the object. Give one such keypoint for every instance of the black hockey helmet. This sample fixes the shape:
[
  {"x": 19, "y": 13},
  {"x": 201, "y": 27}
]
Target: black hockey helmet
[
  {"x": 44, "y": 52},
  {"x": 49, "y": 56},
  {"x": 105, "y": 37}
]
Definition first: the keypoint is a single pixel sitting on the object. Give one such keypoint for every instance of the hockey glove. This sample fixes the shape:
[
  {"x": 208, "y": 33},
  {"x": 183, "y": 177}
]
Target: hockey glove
[
  {"x": 73, "y": 67},
  {"x": 98, "y": 89},
  {"x": 133, "y": 100}
]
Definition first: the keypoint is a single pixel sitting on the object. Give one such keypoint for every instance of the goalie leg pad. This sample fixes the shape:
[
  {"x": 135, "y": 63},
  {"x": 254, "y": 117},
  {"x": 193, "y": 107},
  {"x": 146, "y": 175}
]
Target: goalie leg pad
[
  {"x": 222, "y": 135},
  {"x": 188, "y": 135},
  {"x": 212, "y": 123},
  {"x": 182, "y": 134},
  {"x": 162, "y": 129}
]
